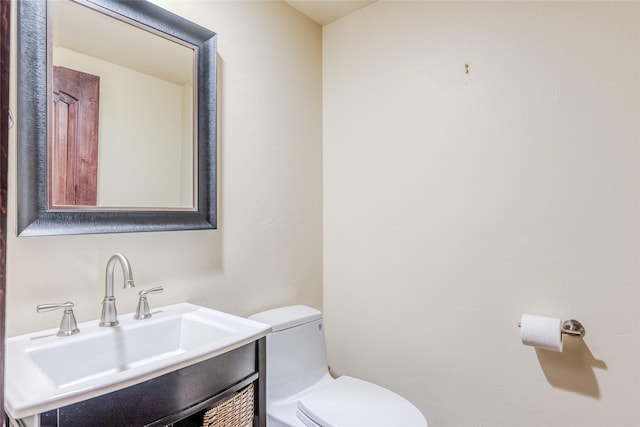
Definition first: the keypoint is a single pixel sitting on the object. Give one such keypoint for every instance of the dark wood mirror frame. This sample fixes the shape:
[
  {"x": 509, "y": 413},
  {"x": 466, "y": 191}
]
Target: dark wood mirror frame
[
  {"x": 34, "y": 217},
  {"x": 5, "y": 24}
]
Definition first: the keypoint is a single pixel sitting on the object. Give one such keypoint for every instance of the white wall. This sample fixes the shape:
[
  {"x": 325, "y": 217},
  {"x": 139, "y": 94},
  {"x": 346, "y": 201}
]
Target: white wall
[
  {"x": 456, "y": 202},
  {"x": 267, "y": 250},
  {"x": 187, "y": 192}
]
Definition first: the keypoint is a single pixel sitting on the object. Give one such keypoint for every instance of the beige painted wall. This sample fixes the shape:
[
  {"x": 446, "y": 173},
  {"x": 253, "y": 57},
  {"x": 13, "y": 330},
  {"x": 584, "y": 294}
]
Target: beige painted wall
[
  {"x": 267, "y": 250},
  {"x": 455, "y": 202}
]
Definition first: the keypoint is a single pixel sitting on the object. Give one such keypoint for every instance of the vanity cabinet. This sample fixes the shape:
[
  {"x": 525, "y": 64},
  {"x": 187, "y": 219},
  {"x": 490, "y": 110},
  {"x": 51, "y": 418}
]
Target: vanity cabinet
[{"x": 178, "y": 398}]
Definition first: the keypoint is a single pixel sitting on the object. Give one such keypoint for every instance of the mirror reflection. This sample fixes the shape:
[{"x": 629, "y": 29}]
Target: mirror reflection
[{"x": 121, "y": 122}]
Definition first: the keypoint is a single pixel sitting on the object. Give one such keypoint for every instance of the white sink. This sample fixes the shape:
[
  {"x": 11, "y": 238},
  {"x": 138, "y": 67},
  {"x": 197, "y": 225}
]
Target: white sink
[{"x": 44, "y": 371}]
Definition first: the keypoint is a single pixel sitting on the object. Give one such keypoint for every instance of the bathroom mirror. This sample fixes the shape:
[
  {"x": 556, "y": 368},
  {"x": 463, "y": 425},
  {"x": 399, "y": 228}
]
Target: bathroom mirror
[{"x": 155, "y": 163}]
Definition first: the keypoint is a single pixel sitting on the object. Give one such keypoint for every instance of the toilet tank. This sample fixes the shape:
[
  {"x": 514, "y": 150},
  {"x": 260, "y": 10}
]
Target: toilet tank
[{"x": 296, "y": 352}]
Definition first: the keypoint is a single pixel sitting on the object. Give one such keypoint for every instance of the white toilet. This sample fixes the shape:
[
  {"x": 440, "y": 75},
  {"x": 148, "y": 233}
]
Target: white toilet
[{"x": 300, "y": 391}]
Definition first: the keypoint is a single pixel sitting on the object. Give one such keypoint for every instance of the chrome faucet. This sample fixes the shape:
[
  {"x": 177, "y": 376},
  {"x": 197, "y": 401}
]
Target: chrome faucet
[{"x": 109, "y": 314}]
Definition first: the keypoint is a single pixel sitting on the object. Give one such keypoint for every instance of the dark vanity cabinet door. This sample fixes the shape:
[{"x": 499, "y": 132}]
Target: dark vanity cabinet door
[{"x": 176, "y": 396}]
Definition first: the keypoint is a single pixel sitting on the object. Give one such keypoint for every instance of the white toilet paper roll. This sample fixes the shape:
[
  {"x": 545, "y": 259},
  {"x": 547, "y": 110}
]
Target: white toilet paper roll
[{"x": 541, "y": 332}]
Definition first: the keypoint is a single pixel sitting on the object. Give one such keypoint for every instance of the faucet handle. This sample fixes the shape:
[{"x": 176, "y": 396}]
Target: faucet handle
[
  {"x": 156, "y": 290},
  {"x": 54, "y": 306},
  {"x": 142, "y": 311},
  {"x": 68, "y": 325}
]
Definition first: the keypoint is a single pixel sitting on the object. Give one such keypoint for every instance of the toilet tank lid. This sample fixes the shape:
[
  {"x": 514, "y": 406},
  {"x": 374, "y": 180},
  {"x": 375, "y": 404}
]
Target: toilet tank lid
[{"x": 287, "y": 317}]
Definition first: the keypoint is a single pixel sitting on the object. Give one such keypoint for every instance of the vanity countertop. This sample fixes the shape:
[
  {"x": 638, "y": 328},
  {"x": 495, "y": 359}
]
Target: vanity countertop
[{"x": 45, "y": 371}]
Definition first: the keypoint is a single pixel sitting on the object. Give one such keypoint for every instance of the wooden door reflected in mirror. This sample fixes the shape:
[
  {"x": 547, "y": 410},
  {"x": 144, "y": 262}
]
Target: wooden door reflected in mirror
[{"x": 73, "y": 165}]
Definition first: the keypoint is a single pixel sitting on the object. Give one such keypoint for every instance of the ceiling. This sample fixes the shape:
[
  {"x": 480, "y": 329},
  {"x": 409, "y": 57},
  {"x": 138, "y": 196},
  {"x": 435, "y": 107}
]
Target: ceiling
[
  {"x": 117, "y": 42},
  {"x": 326, "y": 11}
]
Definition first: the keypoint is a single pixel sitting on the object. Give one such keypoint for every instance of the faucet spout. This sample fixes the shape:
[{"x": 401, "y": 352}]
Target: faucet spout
[{"x": 109, "y": 314}]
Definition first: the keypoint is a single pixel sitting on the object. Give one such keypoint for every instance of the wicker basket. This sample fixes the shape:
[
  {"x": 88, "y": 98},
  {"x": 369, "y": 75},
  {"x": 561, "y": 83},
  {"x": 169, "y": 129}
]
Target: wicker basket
[{"x": 235, "y": 411}]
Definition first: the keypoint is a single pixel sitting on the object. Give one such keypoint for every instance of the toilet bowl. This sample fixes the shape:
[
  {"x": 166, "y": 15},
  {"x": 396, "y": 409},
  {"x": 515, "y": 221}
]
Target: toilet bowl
[{"x": 300, "y": 390}]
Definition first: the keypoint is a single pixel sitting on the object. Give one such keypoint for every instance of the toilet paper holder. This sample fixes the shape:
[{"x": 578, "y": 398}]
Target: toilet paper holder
[{"x": 571, "y": 327}]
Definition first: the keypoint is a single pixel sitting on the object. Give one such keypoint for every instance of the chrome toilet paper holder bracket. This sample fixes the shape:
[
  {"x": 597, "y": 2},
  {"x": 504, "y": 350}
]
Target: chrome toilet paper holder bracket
[{"x": 570, "y": 327}]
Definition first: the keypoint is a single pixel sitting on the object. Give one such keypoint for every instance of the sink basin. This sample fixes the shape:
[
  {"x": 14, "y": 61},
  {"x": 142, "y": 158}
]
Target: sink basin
[{"x": 44, "y": 371}]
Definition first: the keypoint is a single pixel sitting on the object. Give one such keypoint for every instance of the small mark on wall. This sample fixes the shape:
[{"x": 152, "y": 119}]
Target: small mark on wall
[{"x": 466, "y": 68}]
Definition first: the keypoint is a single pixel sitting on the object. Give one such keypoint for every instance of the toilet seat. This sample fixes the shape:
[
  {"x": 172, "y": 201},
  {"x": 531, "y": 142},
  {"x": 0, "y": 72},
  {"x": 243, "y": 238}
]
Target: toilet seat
[{"x": 347, "y": 402}]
